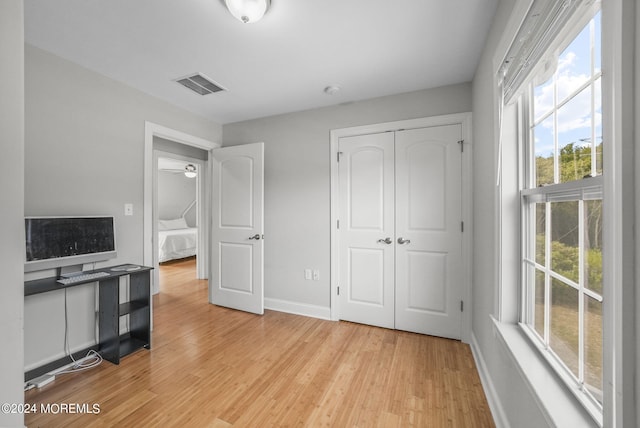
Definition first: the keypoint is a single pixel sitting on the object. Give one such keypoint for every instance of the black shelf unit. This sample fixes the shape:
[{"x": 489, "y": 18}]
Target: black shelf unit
[{"x": 113, "y": 344}]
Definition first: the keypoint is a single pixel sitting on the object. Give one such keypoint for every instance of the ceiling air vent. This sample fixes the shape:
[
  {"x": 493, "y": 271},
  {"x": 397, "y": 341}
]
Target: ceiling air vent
[{"x": 200, "y": 84}]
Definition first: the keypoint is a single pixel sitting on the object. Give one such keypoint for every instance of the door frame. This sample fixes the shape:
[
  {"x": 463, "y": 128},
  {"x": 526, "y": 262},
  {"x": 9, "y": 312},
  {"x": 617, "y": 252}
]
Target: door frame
[
  {"x": 201, "y": 179},
  {"x": 150, "y": 188},
  {"x": 464, "y": 119}
]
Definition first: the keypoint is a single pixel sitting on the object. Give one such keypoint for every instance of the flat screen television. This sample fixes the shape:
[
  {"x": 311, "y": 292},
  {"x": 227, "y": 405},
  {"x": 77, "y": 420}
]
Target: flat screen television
[{"x": 68, "y": 242}]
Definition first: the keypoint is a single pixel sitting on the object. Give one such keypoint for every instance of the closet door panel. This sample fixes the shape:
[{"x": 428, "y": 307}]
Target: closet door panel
[
  {"x": 420, "y": 265},
  {"x": 426, "y": 186},
  {"x": 428, "y": 237},
  {"x": 366, "y": 176}
]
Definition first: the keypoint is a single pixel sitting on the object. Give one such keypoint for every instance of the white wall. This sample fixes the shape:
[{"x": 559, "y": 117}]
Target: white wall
[
  {"x": 297, "y": 180},
  {"x": 11, "y": 208},
  {"x": 84, "y": 149}
]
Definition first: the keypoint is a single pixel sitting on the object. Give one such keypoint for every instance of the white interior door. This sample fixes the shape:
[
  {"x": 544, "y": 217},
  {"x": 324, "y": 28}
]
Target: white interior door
[
  {"x": 367, "y": 229},
  {"x": 237, "y": 228},
  {"x": 428, "y": 231}
]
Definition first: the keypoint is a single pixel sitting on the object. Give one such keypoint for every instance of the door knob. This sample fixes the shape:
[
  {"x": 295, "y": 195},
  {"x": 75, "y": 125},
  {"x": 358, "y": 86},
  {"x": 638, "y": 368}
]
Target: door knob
[
  {"x": 256, "y": 237},
  {"x": 401, "y": 241},
  {"x": 385, "y": 241}
]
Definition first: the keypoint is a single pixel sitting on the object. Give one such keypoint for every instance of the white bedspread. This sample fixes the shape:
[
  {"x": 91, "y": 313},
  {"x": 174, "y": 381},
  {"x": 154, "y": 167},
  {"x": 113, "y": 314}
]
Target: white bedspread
[{"x": 177, "y": 243}]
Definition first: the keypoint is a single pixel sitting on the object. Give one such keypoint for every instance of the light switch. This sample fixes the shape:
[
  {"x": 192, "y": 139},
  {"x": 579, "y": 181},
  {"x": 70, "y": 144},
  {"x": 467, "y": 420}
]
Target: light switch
[
  {"x": 316, "y": 275},
  {"x": 307, "y": 274},
  {"x": 128, "y": 209}
]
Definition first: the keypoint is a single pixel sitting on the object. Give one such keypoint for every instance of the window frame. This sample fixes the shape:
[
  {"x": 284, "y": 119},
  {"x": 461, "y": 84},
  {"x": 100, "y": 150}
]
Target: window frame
[
  {"x": 551, "y": 395},
  {"x": 579, "y": 190}
]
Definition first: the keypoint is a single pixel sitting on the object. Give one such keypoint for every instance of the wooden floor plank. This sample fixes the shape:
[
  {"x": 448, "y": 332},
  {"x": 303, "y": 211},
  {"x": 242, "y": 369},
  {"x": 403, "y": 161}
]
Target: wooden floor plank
[{"x": 216, "y": 367}]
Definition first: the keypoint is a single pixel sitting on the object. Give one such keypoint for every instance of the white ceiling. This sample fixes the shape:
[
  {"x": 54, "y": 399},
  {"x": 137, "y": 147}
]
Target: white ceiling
[{"x": 369, "y": 48}]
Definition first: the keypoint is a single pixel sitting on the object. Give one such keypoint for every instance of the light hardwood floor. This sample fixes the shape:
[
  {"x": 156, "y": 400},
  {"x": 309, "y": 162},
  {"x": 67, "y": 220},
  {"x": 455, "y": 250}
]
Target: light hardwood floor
[{"x": 215, "y": 367}]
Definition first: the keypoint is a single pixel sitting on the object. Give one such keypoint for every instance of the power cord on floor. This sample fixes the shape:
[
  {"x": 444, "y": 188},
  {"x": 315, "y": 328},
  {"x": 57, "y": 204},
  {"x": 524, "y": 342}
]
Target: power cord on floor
[
  {"x": 92, "y": 359},
  {"x": 67, "y": 349}
]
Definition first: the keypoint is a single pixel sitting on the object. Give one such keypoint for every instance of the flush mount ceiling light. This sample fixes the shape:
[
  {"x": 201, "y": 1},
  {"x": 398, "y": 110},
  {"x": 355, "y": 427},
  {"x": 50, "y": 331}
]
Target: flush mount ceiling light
[
  {"x": 190, "y": 171},
  {"x": 248, "y": 11}
]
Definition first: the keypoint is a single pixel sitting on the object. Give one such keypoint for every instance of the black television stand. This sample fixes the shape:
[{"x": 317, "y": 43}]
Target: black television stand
[{"x": 112, "y": 345}]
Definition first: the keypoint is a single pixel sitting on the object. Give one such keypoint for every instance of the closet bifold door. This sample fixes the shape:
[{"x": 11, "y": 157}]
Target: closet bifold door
[
  {"x": 366, "y": 206},
  {"x": 400, "y": 230},
  {"x": 428, "y": 268}
]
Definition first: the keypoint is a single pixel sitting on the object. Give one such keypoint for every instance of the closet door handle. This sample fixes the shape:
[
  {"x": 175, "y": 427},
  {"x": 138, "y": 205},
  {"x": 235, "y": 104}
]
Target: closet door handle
[
  {"x": 401, "y": 241},
  {"x": 385, "y": 241},
  {"x": 256, "y": 237}
]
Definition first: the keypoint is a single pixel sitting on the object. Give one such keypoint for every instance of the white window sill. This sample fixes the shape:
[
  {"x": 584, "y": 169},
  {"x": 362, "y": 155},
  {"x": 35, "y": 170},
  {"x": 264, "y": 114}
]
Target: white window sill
[{"x": 557, "y": 402}]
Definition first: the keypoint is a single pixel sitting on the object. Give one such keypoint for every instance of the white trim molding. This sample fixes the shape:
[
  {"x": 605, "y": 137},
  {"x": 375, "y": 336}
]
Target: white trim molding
[
  {"x": 297, "y": 308},
  {"x": 154, "y": 130},
  {"x": 493, "y": 399},
  {"x": 620, "y": 336},
  {"x": 556, "y": 402},
  {"x": 202, "y": 268}
]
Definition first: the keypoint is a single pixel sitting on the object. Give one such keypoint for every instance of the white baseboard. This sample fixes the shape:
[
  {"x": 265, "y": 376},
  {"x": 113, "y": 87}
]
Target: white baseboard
[
  {"x": 296, "y": 308},
  {"x": 495, "y": 405},
  {"x": 57, "y": 356}
]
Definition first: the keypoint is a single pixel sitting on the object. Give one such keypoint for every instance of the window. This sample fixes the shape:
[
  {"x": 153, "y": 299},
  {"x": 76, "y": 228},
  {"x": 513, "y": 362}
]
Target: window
[{"x": 562, "y": 209}]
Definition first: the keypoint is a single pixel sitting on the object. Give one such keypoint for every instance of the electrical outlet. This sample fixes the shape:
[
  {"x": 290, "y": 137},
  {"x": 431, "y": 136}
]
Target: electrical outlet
[
  {"x": 307, "y": 274},
  {"x": 316, "y": 275}
]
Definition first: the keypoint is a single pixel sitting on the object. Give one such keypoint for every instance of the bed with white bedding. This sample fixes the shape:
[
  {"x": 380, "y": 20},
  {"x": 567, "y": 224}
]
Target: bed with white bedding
[{"x": 176, "y": 240}]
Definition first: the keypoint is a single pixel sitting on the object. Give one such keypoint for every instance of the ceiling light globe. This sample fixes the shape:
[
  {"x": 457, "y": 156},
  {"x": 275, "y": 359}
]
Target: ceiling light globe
[
  {"x": 190, "y": 171},
  {"x": 248, "y": 11}
]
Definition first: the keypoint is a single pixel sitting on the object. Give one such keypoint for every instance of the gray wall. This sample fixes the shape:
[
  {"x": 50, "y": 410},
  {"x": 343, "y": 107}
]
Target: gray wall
[
  {"x": 11, "y": 208},
  {"x": 637, "y": 207},
  {"x": 297, "y": 179},
  {"x": 84, "y": 149},
  {"x": 516, "y": 399},
  {"x": 175, "y": 193},
  {"x": 637, "y": 193},
  {"x": 626, "y": 131}
]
